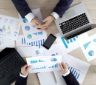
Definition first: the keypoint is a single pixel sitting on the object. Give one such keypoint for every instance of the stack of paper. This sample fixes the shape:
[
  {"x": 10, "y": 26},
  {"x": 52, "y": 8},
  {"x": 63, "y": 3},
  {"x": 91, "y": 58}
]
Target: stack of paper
[{"x": 9, "y": 31}]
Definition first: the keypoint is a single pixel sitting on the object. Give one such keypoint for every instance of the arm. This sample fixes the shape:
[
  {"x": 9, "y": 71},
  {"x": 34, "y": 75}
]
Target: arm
[
  {"x": 67, "y": 75},
  {"x": 21, "y": 81},
  {"x": 25, "y": 12},
  {"x": 70, "y": 79},
  {"x": 22, "y": 7},
  {"x": 22, "y": 78},
  {"x": 62, "y": 6},
  {"x": 58, "y": 11}
]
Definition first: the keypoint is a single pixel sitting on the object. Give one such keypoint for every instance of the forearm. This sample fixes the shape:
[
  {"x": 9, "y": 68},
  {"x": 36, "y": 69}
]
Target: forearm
[
  {"x": 70, "y": 79},
  {"x": 21, "y": 81},
  {"x": 62, "y": 6},
  {"x": 22, "y": 7}
]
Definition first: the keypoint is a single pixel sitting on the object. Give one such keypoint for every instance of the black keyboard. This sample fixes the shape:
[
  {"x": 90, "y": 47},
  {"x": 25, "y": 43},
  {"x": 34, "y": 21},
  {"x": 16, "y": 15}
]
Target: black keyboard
[{"x": 74, "y": 23}]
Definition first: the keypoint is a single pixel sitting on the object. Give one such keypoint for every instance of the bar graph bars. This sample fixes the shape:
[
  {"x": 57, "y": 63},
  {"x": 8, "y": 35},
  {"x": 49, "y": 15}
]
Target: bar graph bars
[
  {"x": 37, "y": 43},
  {"x": 75, "y": 72},
  {"x": 69, "y": 41}
]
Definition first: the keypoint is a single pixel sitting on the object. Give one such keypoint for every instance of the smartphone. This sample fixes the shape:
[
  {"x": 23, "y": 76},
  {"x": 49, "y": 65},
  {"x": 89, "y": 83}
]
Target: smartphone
[{"x": 49, "y": 41}]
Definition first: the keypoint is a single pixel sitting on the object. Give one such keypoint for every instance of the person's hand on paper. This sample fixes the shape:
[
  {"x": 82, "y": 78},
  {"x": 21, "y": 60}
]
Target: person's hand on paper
[
  {"x": 64, "y": 68},
  {"x": 47, "y": 22},
  {"x": 24, "y": 70}
]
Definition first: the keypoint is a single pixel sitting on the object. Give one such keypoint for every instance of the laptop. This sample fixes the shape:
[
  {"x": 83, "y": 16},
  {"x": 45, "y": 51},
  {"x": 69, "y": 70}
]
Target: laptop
[
  {"x": 10, "y": 65},
  {"x": 75, "y": 21}
]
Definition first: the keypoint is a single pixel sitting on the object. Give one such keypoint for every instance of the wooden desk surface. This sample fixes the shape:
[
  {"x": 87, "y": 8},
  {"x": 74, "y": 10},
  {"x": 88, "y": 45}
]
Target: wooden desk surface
[{"x": 7, "y": 8}]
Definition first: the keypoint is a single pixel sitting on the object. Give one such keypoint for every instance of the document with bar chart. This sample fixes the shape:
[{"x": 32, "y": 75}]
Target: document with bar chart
[
  {"x": 44, "y": 63},
  {"x": 74, "y": 71},
  {"x": 77, "y": 67},
  {"x": 88, "y": 46},
  {"x": 70, "y": 44},
  {"x": 31, "y": 36}
]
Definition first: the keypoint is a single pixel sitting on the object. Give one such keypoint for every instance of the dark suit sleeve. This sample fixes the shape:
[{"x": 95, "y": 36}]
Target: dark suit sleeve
[
  {"x": 22, "y": 7},
  {"x": 70, "y": 80},
  {"x": 21, "y": 81},
  {"x": 62, "y": 6}
]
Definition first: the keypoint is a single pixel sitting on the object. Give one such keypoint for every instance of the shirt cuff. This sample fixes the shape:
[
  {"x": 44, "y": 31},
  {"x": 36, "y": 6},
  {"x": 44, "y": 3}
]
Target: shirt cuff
[
  {"x": 29, "y": 17},
  {"x": 22, "y": 75},
  {"x": 67, "y": 73},
  {"x": 55, "y": 15}
]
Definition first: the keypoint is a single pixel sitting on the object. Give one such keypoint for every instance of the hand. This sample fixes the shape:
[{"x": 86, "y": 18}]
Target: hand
[
  {"x": 47, "y": 21},
  {"x": 64, "y": 68},
  {"x": 24, "y": 70},
  {"x": 35, "y": 22}
]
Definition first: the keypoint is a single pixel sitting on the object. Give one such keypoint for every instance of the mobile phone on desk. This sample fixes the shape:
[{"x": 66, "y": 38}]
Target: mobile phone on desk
[{"x": 49, "y": 41}]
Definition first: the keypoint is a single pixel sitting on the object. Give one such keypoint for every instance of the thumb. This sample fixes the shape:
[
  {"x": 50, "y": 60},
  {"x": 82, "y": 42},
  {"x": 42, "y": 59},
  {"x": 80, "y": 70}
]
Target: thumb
[{"x": 45, "y": 20}]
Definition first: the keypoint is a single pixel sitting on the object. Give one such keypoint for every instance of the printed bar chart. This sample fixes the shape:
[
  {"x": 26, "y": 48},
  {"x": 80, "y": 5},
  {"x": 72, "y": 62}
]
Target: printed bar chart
[
  {"x": 75, "y": 72},
  {"x": 69, "y": 41},
  {"x": 37, "y": 43}
]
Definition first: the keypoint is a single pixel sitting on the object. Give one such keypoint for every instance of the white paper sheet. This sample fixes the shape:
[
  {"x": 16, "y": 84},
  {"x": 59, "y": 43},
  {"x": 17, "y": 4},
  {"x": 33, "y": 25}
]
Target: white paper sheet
[
  {"x": 88, "y": 46},
  {"x": 70, "y": 44},
  {"x": 47, "y": 78},
  {"x": 9, "y": 26},
  {"x": 44, "y": 63},
  {"x": 6, "y": 41},
  {"x": 33, "y": 38},
  {"x": 78, "y": 67},
  {"x": 9, "y": 31},
  {"x": 2, "y": 43},
  {"x": 30, "y": 51}
]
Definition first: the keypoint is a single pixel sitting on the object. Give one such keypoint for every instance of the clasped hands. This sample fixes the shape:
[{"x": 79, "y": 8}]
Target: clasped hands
[{"x": 43, "y": 25}]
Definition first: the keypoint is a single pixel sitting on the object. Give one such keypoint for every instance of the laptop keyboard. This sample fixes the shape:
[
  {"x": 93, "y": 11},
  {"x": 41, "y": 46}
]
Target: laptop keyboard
[{"x": 74, "y": 23}]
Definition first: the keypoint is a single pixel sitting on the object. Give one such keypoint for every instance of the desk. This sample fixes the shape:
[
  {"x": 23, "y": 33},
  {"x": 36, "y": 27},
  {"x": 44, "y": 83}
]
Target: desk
[{"x": 7, "y": 8}]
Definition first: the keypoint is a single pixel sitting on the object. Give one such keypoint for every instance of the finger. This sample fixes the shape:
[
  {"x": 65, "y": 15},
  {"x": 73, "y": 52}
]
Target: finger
[
  {"x": 45, "y": 20},
  {"x": 38, "y": 22},
  {"x": 44, "y": 27},
  {"x": 39, "y": 27},
  {"x": 29, "y": 66},
  {"x": 61, "y": 67},
  {"x": 64, "y": 66}
]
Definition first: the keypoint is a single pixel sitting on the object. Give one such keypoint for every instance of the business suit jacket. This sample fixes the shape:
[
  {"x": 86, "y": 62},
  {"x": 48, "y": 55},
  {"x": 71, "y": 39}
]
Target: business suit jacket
[
  {"x": 70, "y": 80},
  {"x": 23, "y": 8}
]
